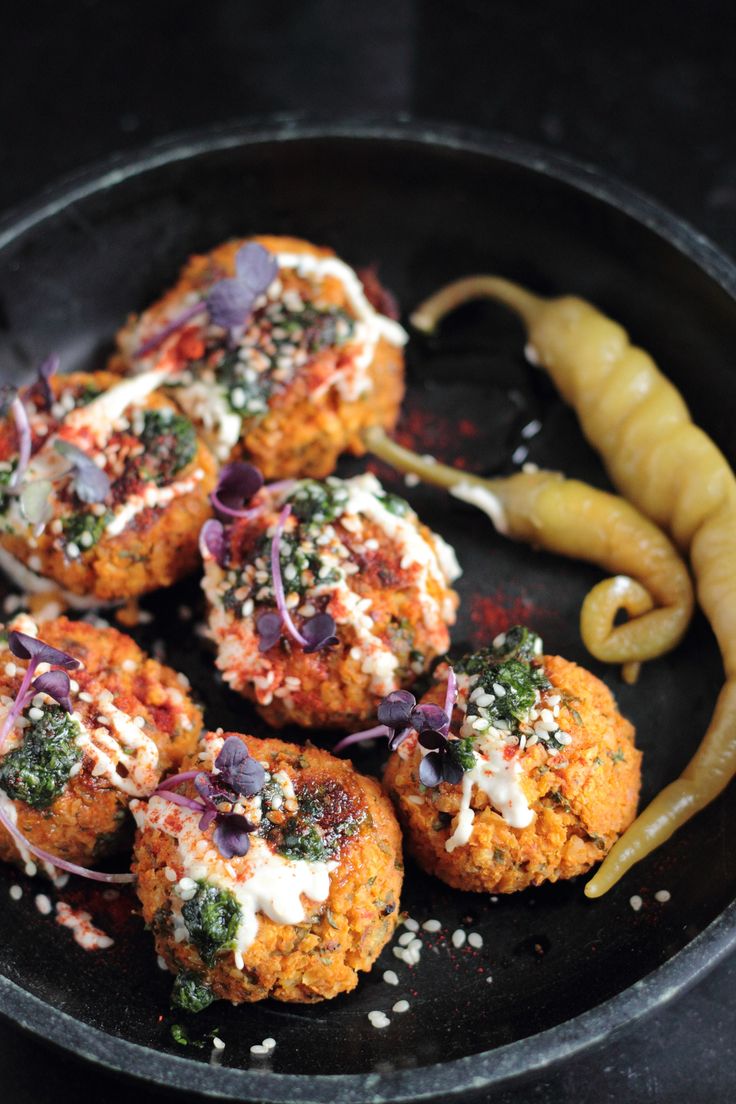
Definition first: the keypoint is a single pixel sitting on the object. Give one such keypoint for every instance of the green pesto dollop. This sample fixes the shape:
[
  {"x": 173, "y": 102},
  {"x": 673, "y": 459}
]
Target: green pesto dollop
[
  {"x": 6, "y": 474},
  {"x": 38, "y": 770},
  {"x": 170, "y": 444},
  {"x": 212, "y": 917},
  {"x": 84, "y": 529},
  {"x": 394, "y": 503},
  {"x": 190, "y": 994},
  {"x": 318, "y": 503}
]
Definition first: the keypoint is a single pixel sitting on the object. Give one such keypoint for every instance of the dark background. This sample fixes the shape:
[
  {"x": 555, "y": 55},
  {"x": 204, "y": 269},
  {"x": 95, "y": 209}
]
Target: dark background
[{"x": 644, "y": 91}]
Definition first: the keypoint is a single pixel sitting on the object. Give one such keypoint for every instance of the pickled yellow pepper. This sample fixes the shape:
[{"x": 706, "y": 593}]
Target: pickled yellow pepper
[{"x": 673, "y": 472}]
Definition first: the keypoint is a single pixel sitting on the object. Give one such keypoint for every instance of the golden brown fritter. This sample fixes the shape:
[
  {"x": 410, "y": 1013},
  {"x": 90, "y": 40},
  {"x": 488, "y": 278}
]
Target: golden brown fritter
[
  {"x": 143, "y": 535},
  {"x": 319, "y": 823},
  {"x": 314, "y": 366},
  {"x": 348, "y": 550},
  {"x": 578, "y": 796},
  {"x": 121, "y": 699}
]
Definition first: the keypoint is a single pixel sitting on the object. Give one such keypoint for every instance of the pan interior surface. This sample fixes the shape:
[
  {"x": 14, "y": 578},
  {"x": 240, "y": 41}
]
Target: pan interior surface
[{"x": 425, "y": 213}]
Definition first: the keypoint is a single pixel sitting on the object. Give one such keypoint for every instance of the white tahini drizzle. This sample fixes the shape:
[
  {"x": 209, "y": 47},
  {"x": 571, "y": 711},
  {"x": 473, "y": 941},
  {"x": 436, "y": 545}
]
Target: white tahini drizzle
[
  {"x": 261, "y": 881},
  {"x": 498, "y": 778}
]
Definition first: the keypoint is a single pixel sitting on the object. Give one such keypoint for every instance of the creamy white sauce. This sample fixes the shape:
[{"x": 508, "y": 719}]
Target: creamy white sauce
[
  {"x": 485, "y": 500},
  {"x": 121, "y": 744},
  {"x": 151, "y": 497},
  {"x": 205, "y": 402},
  {"x": 100, "y": 415},
  {"x": 498, "y": 778},
  {"x": 261, "y": 881}
]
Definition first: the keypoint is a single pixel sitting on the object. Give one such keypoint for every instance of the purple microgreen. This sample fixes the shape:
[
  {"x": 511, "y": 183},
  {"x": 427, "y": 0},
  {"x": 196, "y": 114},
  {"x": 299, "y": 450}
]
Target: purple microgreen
[
  {"x": 397, "y": 737},
  {"x": 237, "y": 484},
  {"x": 230, "y": 301},
  {"x": 179, "y": 799},
  {"x": 396, "y": 708},
  {"x": 30, "y": 647},
  {"x": 450, "y": 695},
  {"x": 212, "y": 542},
  {"x": 320, "y": 632},
  {"x": 238, "y": 770},
  {"x": 432, "y": 740},
  {"x": 231, "y": 836},
  {"x": 176, "y": 780},
  {"x": 428, "y": 717},
  {"x": 430, "y": 769},
  {"x": 46, "y": 371},
  {"x": 268, "y": 627},
  {"x": 45, "y": 856},
  {"x": 35, "y": 502},
  {"x": 171, "y": 327},
  {"x": 439, "y": 765},
  {"x": 90, "y": 483},
  {"x": 357, "y": 737},
  {"x": 278, "y": 582},
  {"x": 25, "y": 441},
  {"x": 57, "y": 685}
]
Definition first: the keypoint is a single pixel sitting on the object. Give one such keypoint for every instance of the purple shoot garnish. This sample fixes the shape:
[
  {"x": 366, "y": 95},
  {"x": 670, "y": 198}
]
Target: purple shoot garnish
[
  {"x": 268, "y": 627},
  {"x": 212, "y": 542},
  {"x": 230, "y": 301},
  {"x": 90, "y": 483},
  {"x": 438, "y": 765},
  {"x": 321, "y": 628},
  {"x": 237, "y": 770},
  {"x": 25, "y": 441},
  {"x": 235, "y": 773},
  {"x": 62, "y": 864},
  {"x": 57, "y": 685},
  {"x": 236, "y": 485},
  {"x": 36, "y": 651},
  {"x": 319, "y": 632},
  {"x": 46, "y": 371}
]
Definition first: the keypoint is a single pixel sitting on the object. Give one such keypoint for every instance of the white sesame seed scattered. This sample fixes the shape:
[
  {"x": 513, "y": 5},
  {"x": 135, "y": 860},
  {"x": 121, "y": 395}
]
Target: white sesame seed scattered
[
  {"x": 411, "y": 479},
  {"x": 378, "y": 1019},
  {"x": 458, "y": 938},
  {"x": 401, "y": 1006},
  {"x": 416, "y": 945},
  {"x": 406, "y": 938},
  {"x": 73, "y": 551},
  {"x": 432, "y": 925},
  {"x": 161, "y": 963},
  {"x": 269, "y": 1043},
  {"x": 499, "y": 690},
  {"x": 35, "y": 713},
  {"x": 663, "y": 896},
  {"x": 475, "y": 940},
  {"x": 520, "y": 454},
  {"x": 85, "y": 697},
  {"x": 258, "y": 1048},
  {"x": 531, "y": 429},
  {"x": 170, "y": 874},
  {"x": 636, "y": 902},
  {"x": 390, "y": 977},
  {"x": 129, "y": 665},
  {"x": 411, "y": 925},
  {"x": 489, "y": 979},
  {"x": 217, "y": 1043},
  {"x": 10, "y": 669},
  {"x": 398, "y": 952},
  {"x": 16, "y": 893},
  {"x": 43, "y": 904}
]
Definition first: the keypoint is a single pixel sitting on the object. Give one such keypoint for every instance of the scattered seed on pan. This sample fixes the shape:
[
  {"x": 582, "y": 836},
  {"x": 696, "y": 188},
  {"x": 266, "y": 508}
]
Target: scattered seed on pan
[
  {"x": 43, "y": 904},
  {"x": 390, "y": 977},
  {"x": 406, "y": 938},
  {"x": 258, "y": 1048},
  {"x": 16, "y": 892},
  {"x": 269, "y": 1043},
  {"x": 475, "y": 940},
  {"x": 377, "y": 1019},
  {"x": 489, "y": 979},
  {"x": 458, "y": 938},
  {"x": 401, "y": 1006},
  {"x": 663, "y": 896},
  {"x": 217, "y": 1043},
  {"x": 432, "y": 925},
  {"x": 636, "y": 902},
  {"x": 411, "y": 925}
]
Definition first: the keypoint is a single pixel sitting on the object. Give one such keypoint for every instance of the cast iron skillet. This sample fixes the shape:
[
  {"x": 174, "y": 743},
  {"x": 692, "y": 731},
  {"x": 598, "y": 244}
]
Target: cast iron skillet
[{"x": 429, "y": 205}]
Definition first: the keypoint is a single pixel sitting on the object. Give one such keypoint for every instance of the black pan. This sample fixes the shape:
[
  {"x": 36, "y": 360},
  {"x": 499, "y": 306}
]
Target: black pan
[{"x": 429, "y": 206}]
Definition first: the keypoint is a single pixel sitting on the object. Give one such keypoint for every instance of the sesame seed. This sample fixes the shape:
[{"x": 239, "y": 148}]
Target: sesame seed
[
  {"x": 85, "y": 697},
  {"x": 432, "y": 925},
  {"x": 258, "y": 1048},
  {"x": 35, "y": 713},
  {"x": 401, "y": 1006},
  {"x": 458, "y": 938},
  {"x": 161, "y": 963},
  {"x": 269, "y": 1043},
  {"x": 475, "y": 940},
  {"x": 389, "y": 976},
  {"x": 129, "y": 665},
  {"x": 663, "y": 896},
  {"x": 217, "y": 1043},
  {"x": 406, "y": 938},
  {"x": 378, "y": 1019},
  {"x": 16, "y": 893},
  {"x": 170, "y": 874},
  {"x": 10, "y": 669},
  {"x": 636, "y": 902},
  {"x": 43, "y": 904},
  {"x": 499, "y": 690},
  {"x": 489, "y": 979},
  {"x": 411, "y": 925}
]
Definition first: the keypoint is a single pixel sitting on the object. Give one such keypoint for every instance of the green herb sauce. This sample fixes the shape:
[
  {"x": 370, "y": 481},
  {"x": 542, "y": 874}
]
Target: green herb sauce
[
  {"x": 212, "y": 917},
  {"x": 38, "y": 770},
  {"x": 190, "y": 994}
]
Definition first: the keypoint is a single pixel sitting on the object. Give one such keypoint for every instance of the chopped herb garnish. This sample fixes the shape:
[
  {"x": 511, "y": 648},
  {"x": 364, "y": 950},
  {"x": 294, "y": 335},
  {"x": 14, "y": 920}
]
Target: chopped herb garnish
[
  {"x": 84, "y": 529},
  {"x": 170, "y": 444},
  {"x": 316, "y": 503},
  {"x": 190, "y": 994},
  {"x": 212, "y": 917},
  {"x": 38, "y": 770}
]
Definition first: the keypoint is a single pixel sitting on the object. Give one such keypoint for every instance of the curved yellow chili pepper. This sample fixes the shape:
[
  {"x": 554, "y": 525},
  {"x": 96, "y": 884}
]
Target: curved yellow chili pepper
[
  {"x": 572, "y": 519},
  {"x": 670, "y": 469}
]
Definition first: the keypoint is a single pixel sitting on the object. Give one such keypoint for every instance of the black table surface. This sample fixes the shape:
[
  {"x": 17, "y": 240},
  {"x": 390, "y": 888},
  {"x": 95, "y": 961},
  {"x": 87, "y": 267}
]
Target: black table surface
[{"x": 645, "y": 92}]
